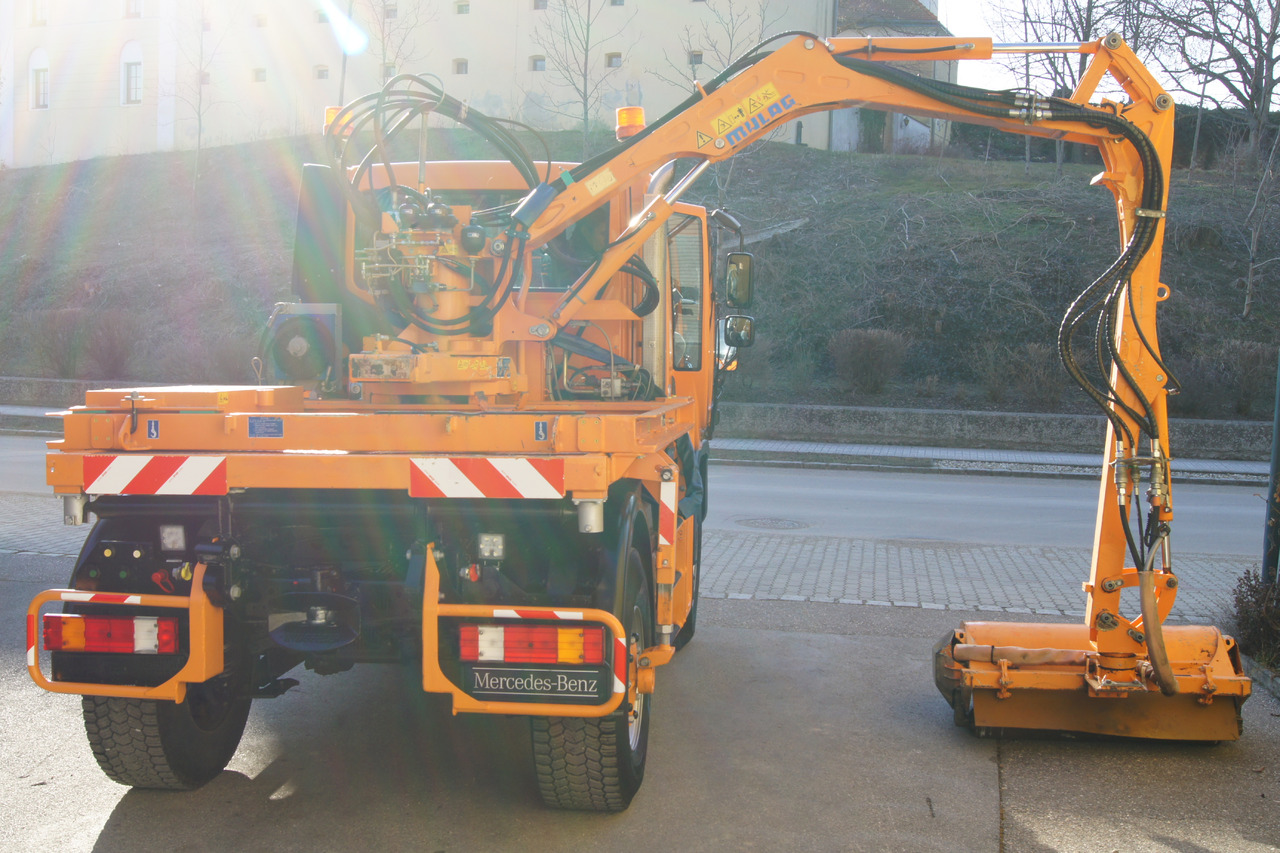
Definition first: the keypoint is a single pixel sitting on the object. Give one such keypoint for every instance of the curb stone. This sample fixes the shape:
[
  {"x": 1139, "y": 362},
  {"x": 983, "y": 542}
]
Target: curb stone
[{"x": 1262, "y": 677}]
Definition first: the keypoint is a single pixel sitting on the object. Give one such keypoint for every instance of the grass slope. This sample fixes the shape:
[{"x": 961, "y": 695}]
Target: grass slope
[{"x": 130, "y": 267}]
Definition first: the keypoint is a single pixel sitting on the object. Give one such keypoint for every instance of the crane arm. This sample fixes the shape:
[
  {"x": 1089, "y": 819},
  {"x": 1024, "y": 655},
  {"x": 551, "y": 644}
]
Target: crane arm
[{"x": 1114, "y": 315}]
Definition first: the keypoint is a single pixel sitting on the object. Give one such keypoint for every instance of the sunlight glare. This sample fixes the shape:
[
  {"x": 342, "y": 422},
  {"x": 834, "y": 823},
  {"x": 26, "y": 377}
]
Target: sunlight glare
[{"x": 350, "y": 37}]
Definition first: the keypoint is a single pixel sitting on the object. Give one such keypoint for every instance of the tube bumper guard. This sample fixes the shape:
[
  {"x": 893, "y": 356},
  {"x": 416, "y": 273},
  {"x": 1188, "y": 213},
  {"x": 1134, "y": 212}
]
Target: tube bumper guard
[
  {"x": 205, "y": 635},
  {"x": 624, "y": 668}
]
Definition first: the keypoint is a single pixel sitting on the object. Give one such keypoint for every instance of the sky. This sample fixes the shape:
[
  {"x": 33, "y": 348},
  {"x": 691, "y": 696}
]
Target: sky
[{"x": 969, "y": 18}]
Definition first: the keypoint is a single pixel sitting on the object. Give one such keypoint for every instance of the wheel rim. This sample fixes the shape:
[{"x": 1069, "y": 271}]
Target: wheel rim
[{"x": 635, "y": 719}]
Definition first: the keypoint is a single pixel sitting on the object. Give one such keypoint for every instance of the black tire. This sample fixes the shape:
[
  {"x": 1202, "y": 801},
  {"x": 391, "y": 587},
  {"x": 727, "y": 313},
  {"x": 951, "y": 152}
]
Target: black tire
[
  {"x": 597, "y": 763},
  {"x": 167, "y": 745}
]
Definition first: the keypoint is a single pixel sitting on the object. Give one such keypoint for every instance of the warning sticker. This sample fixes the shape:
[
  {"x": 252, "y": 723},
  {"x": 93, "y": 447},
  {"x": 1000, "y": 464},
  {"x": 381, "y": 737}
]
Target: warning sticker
[
  {"x": 748, "y": 107},
  {"x": 600, "y": 182},
  {"x": 703, "y": 139}
]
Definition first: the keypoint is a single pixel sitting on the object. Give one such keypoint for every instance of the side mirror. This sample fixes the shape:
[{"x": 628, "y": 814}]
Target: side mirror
[
  {"x": 739, "y": 282},
  {"x": 739, "y": 331}
]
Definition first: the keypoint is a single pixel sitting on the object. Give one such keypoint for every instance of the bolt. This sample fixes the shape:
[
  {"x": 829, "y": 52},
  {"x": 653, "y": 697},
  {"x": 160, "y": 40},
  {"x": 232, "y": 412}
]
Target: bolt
[
  {"x": 235, "y": 592},
  {"x": 1136, "y": 635},
  {"x": 1106, "y": 621},
  {"x": 1112, "y": 584}
]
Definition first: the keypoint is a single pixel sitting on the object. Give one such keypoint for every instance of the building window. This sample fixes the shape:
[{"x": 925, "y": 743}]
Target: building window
[
  {"x": 617, "y": 2},
  {"x": 613, "y": 60},
  {"x": 259, "y": 75},
  {"x": 40, "y": 88},
  {"x": 206, "y": 24},
  {"x": 463, "y": 8},
  {"x": 539, "y": 5},
  {"x": 322, "y": 17},
  {"x": 205, "y": 78},
  {"x": 389, "y": 11},
  {"x": 39, "y": 13},
  {"x": 459, "y": 66},
  {"x": 133, "y": 8},
  {"x": 133, "y": 82},
  {"x": 695, "y": 57},
  {"x": 322, "y": 72},
  {"x": 131, "y": 73},
  {"x": 388, "y": 71},
  {"x": 259, "y": 20},
  {"x": 537, "y": 63}
]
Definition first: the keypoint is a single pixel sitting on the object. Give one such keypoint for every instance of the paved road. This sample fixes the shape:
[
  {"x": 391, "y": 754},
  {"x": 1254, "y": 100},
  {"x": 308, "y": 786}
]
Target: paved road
[
  {"x": 22, "y": 461},
  {"x": 790, "y": 726},
  {"x": 803, "y": 717},
  {"x": 1209, "y": 519}
]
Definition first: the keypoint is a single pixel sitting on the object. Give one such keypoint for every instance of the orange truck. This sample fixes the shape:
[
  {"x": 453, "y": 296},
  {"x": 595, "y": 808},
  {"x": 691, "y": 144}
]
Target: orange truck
[{"x": 479, "y": 442}]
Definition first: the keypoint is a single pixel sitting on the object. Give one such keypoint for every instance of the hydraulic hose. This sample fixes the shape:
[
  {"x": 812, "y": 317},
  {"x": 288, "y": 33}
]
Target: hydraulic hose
[{"x": 1151, "y": 628}]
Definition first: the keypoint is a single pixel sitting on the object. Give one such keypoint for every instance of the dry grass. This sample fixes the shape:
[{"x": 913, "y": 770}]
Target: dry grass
[{"x": 972, "y": 261}]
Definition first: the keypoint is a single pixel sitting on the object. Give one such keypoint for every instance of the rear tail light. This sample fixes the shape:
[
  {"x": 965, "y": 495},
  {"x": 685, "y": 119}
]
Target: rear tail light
[
  {"x": 533, "y": 644},
  {"x": 142, "y": 635}
]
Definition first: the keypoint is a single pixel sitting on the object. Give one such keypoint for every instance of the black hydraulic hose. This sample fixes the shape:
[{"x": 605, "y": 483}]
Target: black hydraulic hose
[
  {"x": 390, "y": 111},
  {"x": 999, "y": 105}
]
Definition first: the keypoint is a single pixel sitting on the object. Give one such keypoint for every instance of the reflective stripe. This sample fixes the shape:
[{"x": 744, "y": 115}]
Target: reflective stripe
[
  {"x": 667, "y": 513},
  {"x": 155, "y": 475},
  {"x": 488, "y": 477}
]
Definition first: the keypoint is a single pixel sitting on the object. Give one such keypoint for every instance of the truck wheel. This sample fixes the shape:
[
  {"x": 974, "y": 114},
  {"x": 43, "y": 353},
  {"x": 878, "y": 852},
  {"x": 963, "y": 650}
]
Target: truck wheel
[
  {"x": 167, "y": 745},
  {"x": 597, "y": 763}
]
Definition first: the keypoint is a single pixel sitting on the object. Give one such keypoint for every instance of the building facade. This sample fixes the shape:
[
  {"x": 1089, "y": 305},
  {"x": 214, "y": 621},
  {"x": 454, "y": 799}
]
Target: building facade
[{"x": 92, "y": 78}]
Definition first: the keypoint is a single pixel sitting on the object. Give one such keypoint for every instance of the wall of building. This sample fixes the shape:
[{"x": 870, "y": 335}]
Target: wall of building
[{"x": 217, "y": 72}]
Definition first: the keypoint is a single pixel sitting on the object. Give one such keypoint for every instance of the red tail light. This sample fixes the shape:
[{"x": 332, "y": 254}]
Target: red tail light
[
  {"x": 143, "y": 635},
  {"x": 510, "y": 643}
]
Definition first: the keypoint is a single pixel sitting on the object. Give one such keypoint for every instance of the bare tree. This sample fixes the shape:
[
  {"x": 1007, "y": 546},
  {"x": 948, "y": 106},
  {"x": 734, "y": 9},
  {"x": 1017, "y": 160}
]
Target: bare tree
[
  {"x": 726, "y": 31},
  {"x": 1232, "y": 45},
  {"x": 1258, "y": 222},
  {"x": 572, "y": 35},
  {"x": 198, "y": 49},
  {"x": 1056, "y": 21},
  {"x": 395, "y": 31}
]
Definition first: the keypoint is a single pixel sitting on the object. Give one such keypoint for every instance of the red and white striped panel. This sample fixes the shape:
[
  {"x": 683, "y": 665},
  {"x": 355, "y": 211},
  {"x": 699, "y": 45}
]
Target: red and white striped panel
[
  {"x": 101, "y": 597},
  {"x": 619, "y": 643},
  {"x": 667, "y": 494},
  {"x": 509, "y": 613},
  {"x": 487, "y": 477},
  {"x": 155, "y": 475}
]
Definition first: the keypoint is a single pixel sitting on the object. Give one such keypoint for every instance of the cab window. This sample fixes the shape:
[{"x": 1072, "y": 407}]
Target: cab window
[{"x": 685, "y": 253}]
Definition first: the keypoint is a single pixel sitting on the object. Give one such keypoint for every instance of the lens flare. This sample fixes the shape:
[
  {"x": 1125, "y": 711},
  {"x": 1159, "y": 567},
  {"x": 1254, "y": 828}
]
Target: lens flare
[{"x": 350, "y": 37}]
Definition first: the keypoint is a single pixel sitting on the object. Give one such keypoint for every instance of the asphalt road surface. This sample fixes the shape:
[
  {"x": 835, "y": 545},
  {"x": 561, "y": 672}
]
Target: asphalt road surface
[
  {"x": 788, "y": 724},
  {"x": 1212, "y": 519}
]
